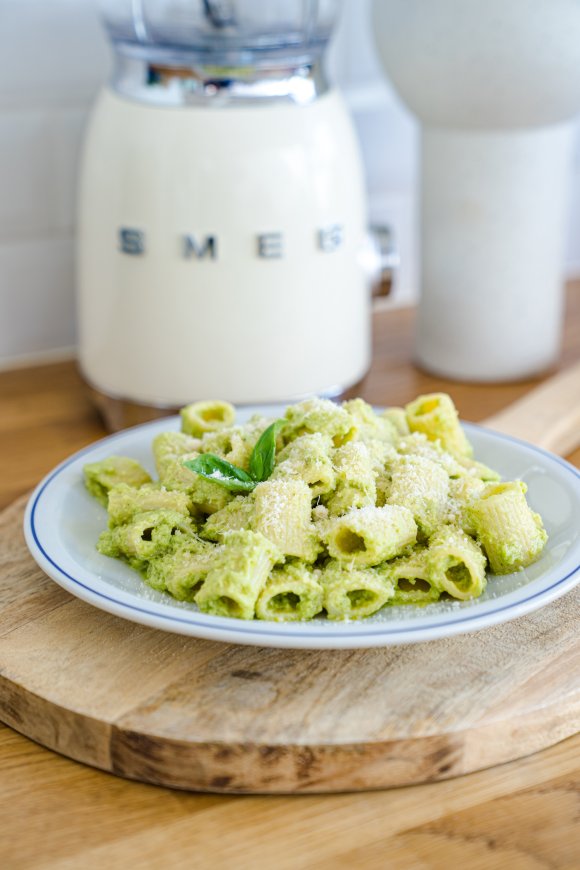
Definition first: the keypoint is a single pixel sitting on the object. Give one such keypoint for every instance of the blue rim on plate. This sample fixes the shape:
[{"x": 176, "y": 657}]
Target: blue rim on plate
[{"x": 265, "y": 633}]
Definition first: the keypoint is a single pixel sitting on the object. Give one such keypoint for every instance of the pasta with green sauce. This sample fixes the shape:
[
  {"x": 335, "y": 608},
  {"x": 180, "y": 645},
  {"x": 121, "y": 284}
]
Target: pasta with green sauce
[{"x": 332, "y": 510}]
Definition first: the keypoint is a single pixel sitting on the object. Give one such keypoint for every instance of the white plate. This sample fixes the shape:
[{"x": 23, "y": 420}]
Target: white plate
[{"x": 63, "y": 522}]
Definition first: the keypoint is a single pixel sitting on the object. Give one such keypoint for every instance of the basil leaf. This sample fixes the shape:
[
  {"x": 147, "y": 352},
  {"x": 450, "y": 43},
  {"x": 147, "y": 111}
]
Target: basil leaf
[
  {"x": 221, "y": 471},
  {"x": 263, "y": 455}
]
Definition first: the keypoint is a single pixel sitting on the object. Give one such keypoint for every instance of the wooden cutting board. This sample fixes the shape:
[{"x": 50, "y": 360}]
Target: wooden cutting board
[{"x": 196, "y": 714}]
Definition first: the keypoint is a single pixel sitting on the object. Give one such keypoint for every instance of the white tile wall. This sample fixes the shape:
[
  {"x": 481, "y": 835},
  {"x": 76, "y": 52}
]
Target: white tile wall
[
  {"x": 53, "y": 56},
  {"x": 52, "y": 52},
  {"x": 36, "y": 299},
  {"x": 26, "y": 180}
]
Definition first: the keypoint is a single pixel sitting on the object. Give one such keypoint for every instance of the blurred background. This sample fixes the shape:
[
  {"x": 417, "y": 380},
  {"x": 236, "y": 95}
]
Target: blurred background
[{"x": 53, "y": 57}]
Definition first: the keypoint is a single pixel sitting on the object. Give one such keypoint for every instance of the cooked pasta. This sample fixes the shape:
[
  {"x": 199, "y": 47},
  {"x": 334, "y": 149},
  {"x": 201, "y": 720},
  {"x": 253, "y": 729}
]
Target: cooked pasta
[
  {"x": 101, "y": 477},
  {"x": 334, "y": 510},
  {"x": 436, "y": 416},
  {"x": 292, "y": 592},
  {"x": 422, "y": 486},
  {"x": 126, "y": 501},
  {"x": 148, "y": 535},
  {"x": 240, "y": 571},
  {"x": 355, "y": 485},
  {"x": 201, "y": 417},
  {"x": 456, "y": 563},
  {"x": 234, "y": 517},
  {"x": 353, "y": 593},
  {"x": 310, "y": 459},
  {"x": 511, "y": 534},
  {"x": 367, "y": 536},
  {"x": 181, "y": 572},
  {"x": 169, "y": 446},
  {"x": 411, "y": 579},
  {"x": 398, "y": 419},
  {"x": 320, "y": 415},
  {"x": 206, "y": 496},
  {"x": 282, "y": 513}
]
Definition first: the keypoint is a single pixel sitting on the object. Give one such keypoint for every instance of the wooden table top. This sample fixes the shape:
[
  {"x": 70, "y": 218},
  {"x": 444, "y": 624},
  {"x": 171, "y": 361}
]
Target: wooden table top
[{"x": 57, "y": 813}]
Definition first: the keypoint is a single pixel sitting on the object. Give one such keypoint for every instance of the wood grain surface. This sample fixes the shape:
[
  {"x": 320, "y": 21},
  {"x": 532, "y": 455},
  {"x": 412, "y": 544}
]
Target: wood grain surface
[
  {"x": 55, "y": 813},
  {"x": 208, "y": 716},
  {"x": 549, "y": 416}
]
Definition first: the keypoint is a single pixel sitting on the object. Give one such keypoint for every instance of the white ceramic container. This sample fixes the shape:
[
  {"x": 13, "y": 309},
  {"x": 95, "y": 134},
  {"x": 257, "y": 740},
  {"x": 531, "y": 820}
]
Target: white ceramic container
[{"x": 495, "y": 87}]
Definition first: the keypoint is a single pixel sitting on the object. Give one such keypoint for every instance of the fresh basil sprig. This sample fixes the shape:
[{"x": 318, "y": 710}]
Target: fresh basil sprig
[
  {"x": 263, "y": 456},
  {"x": 221, "y": 471},
  {"x": 235, "y": 479}
]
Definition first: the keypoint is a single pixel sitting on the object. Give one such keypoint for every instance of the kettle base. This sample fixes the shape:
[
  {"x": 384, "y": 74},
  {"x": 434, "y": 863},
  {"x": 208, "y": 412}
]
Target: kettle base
[{"x": 119, "y": 413}]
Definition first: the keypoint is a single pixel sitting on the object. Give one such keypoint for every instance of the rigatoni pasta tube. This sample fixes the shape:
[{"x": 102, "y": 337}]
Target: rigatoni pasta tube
[
  {"x": 417, "y": 444},
  {"x": 423, "y": 487},
  {"x": 126, "y": 501},
  {"x": 371, "y": 535},
  {"x": 308, "y": 458},
  {"x": 411, "y": 579},
  {"x": 462, "y": 492},
  {"x": 353, "y": 593},
  {"x": 148, "y": 535},
  {"x": 476, "y": 469},
  {"x": 398, "y": 419},
  {"x": 101, "y": 477},
  {"x": 291, "y": 593},
  {"x": 319, "y": 415},
  {"x": 383, "y": 487},
  {"x": 168, "y": 446},
  {"x": 511, "y": 534},
  {"x": 355, "y": 479},
  {"x": 456, "y": 563},
  {"x": 236, "y": 515},
  {"x": 370, "y": 425},
  {"x": 436, "y": 416},
  {"x": 200, "y": 417},
  {"x": 182, "y": 572},
  {"x": 282, "y": 513},
  {"x": 239, "y": 574}
]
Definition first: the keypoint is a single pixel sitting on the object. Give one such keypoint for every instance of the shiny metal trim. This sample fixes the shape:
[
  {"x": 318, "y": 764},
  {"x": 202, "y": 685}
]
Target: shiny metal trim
[
  {"x": 121, "y": 413},
  {"x": 169, "y": 85},
  {"x": 387, "y": 259}
]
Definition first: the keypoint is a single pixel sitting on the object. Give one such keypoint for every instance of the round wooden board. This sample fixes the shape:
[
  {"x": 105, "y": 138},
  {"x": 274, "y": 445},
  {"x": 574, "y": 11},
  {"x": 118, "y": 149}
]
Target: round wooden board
[{"x": 200, "y": 715}]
